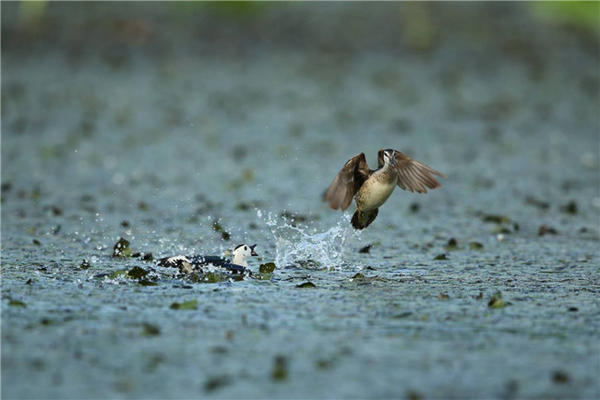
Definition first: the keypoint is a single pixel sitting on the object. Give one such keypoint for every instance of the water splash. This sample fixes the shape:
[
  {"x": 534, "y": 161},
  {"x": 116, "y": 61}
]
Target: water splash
[{"x": 303, "y": 245}]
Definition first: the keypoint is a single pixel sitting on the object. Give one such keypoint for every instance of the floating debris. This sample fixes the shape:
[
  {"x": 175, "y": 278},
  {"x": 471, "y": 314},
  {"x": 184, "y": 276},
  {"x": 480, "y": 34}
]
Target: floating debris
[
  {"x": 212, "y": 277},
  {"x": 496, "y": 301},
  {"x": 493, "y": 218},
  {"x": 146, "y": 282},
  {"x": 478, "y": 297},
  {"x": 115, "y": 274},
  {"x": 358, "y": 276},
  {"x": 137, "y": 273},
  {"x": 443, "y": 296},
  {"x": 404, "y": 314},
  {"x": 323, "y": 363},
  {"x": 17, "y": 303},
  {"x": 366, "y": 249},
  {"x": 280, "y": 368},
  {"x": 36, "y": 242},
  {"x": 121, "y": 248},
  {"x": 440, "y": 257},
  {"x": 142, "y": 206},
  {"x": 125, "y": 224},
  {"x": 573, "y": 309},
  {"x": 216, "y": 382},
  {"x": 546, "y": 230},
  {"x": 560, "y": 377},
  {"x": 502, "y": 230},
  {"x": 247, "y": 206},
  {"x": 305, "y": 285},
  {"x": 414, "y": 208},
  {"x": 570, "y": 208},
  {"x": 151, "y": 329},
  {"x": 186, "y": 305},
  {"x": 85, "y": 264},
  {"x": 537, "y": 203},
  {"x": 475, "y": 246},
  {"x": 266, "y": 268},
  {"x": 217, "y": 227},
  {"x": 451, "y": 245}
]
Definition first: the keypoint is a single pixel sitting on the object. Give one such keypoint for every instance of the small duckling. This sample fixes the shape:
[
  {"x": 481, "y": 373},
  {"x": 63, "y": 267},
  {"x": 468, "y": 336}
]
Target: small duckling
[
  {"x": 187, "y": 265},
  {"x": 371, "y": 188}
]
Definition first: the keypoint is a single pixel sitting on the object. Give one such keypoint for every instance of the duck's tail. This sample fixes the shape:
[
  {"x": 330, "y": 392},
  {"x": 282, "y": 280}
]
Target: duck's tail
[{"x": 362, "y": 219}]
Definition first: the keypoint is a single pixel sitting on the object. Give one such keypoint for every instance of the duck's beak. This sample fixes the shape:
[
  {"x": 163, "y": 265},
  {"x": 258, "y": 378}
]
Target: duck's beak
[{"x": 253, "y": 252}]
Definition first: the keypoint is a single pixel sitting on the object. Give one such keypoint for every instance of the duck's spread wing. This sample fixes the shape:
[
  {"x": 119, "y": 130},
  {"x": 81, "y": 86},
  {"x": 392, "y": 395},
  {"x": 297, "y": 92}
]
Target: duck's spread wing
[
  {"x": 415, "y": 176},
  {"x": 347, "y": 182}
]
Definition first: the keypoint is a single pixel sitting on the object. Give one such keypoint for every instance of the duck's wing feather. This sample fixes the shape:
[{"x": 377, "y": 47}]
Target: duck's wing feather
[
  {"x": 236, "y": 269},
  {"x": 415, "y": 176},
  {"x": 172, "y": 262},
  {"x": 347, "y": 182},
  {"x": 205, "y": 260}
]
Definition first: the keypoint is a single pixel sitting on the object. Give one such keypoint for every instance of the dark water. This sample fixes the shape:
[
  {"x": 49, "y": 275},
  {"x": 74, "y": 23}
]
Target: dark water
[{"x": 153, "y": 126}]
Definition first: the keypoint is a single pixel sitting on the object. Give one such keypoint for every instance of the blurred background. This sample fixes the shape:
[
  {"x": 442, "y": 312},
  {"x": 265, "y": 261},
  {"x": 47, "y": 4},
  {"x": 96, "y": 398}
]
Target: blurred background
[
  {"x": 249, "y": 99},
  {"x": 192, "y": 127}
]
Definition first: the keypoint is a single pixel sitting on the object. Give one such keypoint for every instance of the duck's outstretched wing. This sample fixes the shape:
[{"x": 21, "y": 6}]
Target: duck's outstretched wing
[
  {"x": 347, "y": 182},
  {"x": 415, "y": 176}
]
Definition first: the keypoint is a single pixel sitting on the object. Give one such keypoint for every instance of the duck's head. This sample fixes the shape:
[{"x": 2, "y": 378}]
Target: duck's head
[
  {"x": 389, "y": 156},
  {"x": 241, "y": 254}
]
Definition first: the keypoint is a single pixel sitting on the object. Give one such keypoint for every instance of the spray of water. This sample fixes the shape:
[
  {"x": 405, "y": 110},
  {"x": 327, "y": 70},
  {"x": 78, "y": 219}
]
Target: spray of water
[{"x": 306, "y": 246}]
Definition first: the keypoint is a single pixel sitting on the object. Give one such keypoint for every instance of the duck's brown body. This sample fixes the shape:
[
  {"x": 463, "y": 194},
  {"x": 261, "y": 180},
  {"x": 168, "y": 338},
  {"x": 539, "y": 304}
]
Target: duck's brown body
[{"x": 371, "y": 188}]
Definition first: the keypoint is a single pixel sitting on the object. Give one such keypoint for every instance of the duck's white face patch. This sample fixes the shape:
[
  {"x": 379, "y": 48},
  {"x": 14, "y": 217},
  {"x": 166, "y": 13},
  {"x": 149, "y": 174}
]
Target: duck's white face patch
[{"x": 241, "y": 254}]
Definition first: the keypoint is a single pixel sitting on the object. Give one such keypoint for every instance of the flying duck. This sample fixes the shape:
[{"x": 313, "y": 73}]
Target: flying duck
[
  {"x": 371, "y": 188},
  {"x": 187, "y": 265}
]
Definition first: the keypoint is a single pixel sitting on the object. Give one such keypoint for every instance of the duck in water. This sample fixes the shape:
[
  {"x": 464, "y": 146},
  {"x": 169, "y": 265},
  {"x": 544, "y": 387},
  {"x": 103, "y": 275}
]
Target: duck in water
[
  {"x": 187, "y": 265},
  {"x": 371, "y": 188}
]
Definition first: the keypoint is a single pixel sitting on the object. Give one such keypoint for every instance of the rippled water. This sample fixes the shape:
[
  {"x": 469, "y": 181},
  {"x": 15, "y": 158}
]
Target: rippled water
[{"x": 157, "y": 142}]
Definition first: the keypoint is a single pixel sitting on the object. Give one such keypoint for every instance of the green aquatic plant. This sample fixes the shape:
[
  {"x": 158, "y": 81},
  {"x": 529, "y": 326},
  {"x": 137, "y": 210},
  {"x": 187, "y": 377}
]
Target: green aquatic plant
[
  {"x": 137, "y": 272},
  {"x": 266, "y": 268},
  {"x": 475, "y": 246},
  {"x": 121, "y": 248},
  {"x": 496, "y": 301},
  {"x": 186, "y": 305},
  {"x": 17, "y": 303},
  {"x": 306, "y": 285}
]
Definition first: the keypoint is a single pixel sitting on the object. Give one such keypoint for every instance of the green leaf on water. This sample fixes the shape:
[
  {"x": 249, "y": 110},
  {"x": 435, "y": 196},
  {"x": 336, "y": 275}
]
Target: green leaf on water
[
  {"x": 117, "y": 273},
  {"x": 146, "y": 282},
  {"x": 186, "y": 305},
  {"x": 212, "y": 277},
  {"x": 475, "y": 246},
  {"x": 121, "y": 248},
  {"x": 17, "y": 303},
  {"x": 217, "y": 382},
  {"x": 280, "y": 368},
  {"x": 452, "y": 244},
  {"x": 358, "y": 276},
  {"x": 137, "y": 273},
  {"x": 440, "y": 257},
  {"x": 496, "y": 301},
  {"x": 305, "y": 285},
  {"x": 151, "y": 329},
  {"x": 267, "y": 268},
  {"x": 217, "y": 227}
]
